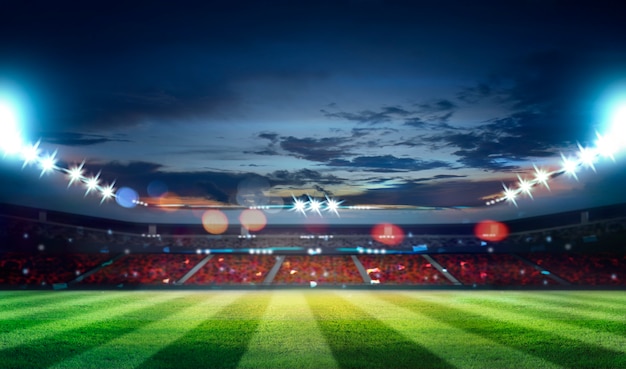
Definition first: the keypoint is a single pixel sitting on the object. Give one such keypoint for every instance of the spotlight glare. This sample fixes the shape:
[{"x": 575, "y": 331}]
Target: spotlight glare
[
  {"x": 570, "y": 166},
  {"x": 92, "y": 183},
  {"x": 525, "y": 186},
  {"x": 30, "y": 154},
  {"x": 48, "y": 164},
  {"x": 541, "y": 176},
  {"x": 108, "y": 192},
  {"x": 607, "y": 147},
  {"x": 510, "y": 194},
  {"x": 76, "y": 173},
  {"x": 315, "y": 205},
  {"x": 587, "y": 157},
  {"x": 299, "y": 206},
  {"x": 332, "y": 205},
  {"x": 10, "y": 136}
]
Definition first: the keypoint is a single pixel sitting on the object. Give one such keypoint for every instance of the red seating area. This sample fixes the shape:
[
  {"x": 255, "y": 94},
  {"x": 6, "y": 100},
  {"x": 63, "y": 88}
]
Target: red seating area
[
  {"x": 492, "y": 269},
  {"x": 402, "y": 269},
  {"x": 45, "y": 269},
  {"x": 148, "y": 269},
  {"x": 322, "y": 269},
  {"x": 233, "y": 269},
  {"x": 584, "y": 269}
]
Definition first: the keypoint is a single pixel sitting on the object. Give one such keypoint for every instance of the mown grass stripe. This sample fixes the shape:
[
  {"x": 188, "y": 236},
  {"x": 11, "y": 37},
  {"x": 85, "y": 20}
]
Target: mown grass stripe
[
  {"x": 128, "y": 302},
  {"x": 610, "y": 297},
  {"x": 543, "y": 322},
  {"x": 515, "y": 331},
  {"x": 47, "y": 351},
  {"x": 460, "y": 348},
  {"x": 359, "y": 340},
  {"x": 598, "y": 320},
  {"x": 14, "y": 301},
  {"x": 288, "y": 337},
  {"x": 218, "y": 342},
  {"x": 60, "y": 307},
  {"x": 614, "y": 310},
  {"x": 132, "y": 349}
]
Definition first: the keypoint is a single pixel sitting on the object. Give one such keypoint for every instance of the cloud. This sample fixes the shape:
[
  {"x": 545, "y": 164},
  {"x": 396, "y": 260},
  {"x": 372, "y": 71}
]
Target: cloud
[
  {"x": 76, "y": 139},
  {"x": 302, "y": 177},
  {"x": 388, "y": 163},
  {"x": 313, "y": 149},
  {"x": 432, "y": 114},
  {"x": 384, "y": 115},
  {"x": 452, "y": 193}
]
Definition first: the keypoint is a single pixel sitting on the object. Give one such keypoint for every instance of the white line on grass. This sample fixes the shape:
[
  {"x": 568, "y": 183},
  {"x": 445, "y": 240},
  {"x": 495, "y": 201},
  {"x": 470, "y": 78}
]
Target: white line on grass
[
  {"x": 288, "y": 337},
  {"x": 132, "y": 349}
]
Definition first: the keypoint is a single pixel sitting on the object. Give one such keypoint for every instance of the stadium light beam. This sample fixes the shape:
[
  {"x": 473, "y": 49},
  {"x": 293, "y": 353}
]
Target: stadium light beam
[{"x": 10, "y": 136}]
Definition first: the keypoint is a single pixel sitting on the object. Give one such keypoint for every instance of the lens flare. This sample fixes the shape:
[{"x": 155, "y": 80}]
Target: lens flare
[
  {"x": 253, "y": 220},
  {"x": 214, "y": 221}
]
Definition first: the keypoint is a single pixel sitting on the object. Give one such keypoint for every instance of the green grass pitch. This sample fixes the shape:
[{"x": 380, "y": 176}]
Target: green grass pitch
[{"x": 312, "y": 329}]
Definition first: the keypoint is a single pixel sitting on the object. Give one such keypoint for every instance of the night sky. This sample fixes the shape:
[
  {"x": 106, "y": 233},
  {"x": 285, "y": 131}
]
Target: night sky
[{"x": 421, "y": 103}]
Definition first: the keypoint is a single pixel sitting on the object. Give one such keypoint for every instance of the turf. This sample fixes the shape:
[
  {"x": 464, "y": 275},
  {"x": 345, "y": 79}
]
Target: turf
[{"x": 313, "y": 329}]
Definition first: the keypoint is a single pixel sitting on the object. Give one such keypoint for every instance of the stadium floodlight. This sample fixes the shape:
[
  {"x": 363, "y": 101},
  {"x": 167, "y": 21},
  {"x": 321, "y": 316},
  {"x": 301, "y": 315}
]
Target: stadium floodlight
[
  {"x": 315, "y": 206},
  {"x": 607, "y": 146},
  {"x": 570, "y": 166},
  {"x": 48, "y": 163},
  {"x": 332, "y": 205},
  {"x": 107, "y": 192},
  {"x": 510, "y": 194},
  {"x": 76, "y": 174},
  {"x": 299, "y": 205},
  {"x": 92, "y": 183},
  {"x": 525, "y": 186},
  {"x": 587, "y": 156},
  {"x": 30, "y": 154},
  {"x": 541, "y": 176}
]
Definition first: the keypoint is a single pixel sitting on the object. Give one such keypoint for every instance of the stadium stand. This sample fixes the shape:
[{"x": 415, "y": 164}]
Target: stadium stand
[
  {"x": 321, "y": 269},
  {"x": 583, "y": 269},
  {"x": 402, "y": 269},
  {"x": 38, "y": 269},
  {"x": 492, "y": 269},
  {"x": 143, "y": 269},
  {"x": 228, "y": 269}
]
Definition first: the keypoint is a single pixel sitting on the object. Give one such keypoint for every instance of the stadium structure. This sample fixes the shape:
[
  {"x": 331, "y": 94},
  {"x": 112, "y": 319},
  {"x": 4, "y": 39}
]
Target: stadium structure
[{"x": 52, "y": 250}]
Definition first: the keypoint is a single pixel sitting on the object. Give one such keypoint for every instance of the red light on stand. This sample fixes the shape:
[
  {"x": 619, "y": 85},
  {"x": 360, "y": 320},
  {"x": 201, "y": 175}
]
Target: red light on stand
[
  {"x": 492, "y": 231},
  {"x": 388, "y": 234}
]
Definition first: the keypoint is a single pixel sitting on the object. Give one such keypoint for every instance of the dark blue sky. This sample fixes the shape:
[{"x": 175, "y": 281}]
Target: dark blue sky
[{"x": 419, "y": 103}]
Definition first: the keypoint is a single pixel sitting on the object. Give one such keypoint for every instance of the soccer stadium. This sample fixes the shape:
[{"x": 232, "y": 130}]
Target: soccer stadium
[{"x": 346, "y": 184}]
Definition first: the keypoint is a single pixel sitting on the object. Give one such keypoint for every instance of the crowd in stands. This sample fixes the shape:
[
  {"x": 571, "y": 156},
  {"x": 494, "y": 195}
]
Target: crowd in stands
[
  {"x": 43, "y": 266},
  {"x": 329, "y": 270},
  {"x": 144, "y": 269},
  {"x": 43, "y": 269},
  {"x": 233, "y": 269},
  {"x": 492, "y": 269},
  {"x": 402, "y": 269},
  {"x": 583, "y": 269}
]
